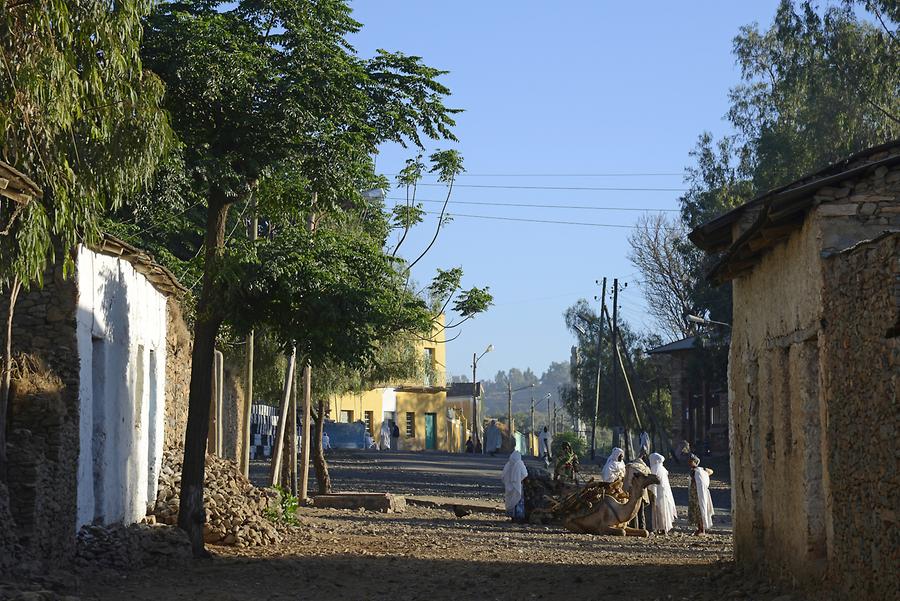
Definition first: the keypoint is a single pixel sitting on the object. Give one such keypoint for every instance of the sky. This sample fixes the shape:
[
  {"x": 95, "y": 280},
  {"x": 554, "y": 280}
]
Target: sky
[{"x": 557, "y": 95}]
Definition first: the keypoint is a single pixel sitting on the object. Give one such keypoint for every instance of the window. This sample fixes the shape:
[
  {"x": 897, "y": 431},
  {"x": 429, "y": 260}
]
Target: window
[
  {"x": 429, "y": 366},
  {"x": 410, "y": 424},
  {"x": 369, "y": 418},
  {"x": 346, "y": 416}
]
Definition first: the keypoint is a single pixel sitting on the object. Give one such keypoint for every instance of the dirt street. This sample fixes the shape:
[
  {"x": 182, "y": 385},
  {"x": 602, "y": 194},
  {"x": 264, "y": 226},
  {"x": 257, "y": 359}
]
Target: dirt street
[{"x": 428, "y": 553}]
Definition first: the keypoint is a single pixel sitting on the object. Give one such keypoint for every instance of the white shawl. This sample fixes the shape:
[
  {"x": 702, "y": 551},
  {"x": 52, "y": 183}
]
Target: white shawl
[
  {"x": 664, "y": 510},
  {"x": 513, "y": 473},
  {"x": 614, "y": 469},
  {"x": 701, "y": 477},
  {"x": 385, "y": 435}
]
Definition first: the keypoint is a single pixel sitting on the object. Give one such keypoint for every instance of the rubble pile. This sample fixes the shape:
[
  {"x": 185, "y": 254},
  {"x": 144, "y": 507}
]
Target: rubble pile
[
  {"x": 235, "y": 509},
  {"x": 120, "y": 547}
]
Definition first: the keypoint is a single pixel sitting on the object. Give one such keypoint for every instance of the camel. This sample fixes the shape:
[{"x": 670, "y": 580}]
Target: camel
[{"x": 611, "y": 516}]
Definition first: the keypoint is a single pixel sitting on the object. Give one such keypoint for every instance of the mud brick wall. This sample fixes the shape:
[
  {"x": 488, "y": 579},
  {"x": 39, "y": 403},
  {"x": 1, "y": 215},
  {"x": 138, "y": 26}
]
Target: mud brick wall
[
  {"x": 860, "y": 373},
  {"x": 43, "y": 442},
  {"x": 178, "y": 375}
]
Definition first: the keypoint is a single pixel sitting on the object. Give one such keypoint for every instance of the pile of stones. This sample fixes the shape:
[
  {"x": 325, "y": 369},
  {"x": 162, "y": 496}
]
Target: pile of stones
[
  {"x": 120, "y": 547},
  {"x": 237, "y": 513}
]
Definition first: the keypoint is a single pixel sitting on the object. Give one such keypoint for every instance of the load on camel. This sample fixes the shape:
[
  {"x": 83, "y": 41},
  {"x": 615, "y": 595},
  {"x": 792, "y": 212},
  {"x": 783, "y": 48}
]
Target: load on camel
[{"x": 593, "y": 507}]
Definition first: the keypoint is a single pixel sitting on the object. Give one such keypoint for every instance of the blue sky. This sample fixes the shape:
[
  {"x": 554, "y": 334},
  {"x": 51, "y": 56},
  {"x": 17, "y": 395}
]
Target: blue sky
[{"x": 549, "y": 92}]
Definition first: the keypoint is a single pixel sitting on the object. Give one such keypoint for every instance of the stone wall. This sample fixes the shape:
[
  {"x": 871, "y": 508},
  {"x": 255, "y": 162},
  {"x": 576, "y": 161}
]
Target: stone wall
[
  {"x": 860, "y": 374},
  {"x": 812, "y": 385},
  {"x": 774, "y": 423},
  {"x": 43, "y": 441},
  {"x": 178, "y": 375}
]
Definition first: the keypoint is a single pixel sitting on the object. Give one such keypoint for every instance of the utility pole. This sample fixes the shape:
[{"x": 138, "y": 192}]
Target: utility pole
[
  {"x": 278, "y": 451},
  {"x": 532, "y": 418},
  {"x": 596, "y": 411},
  {"x": 612, "y": 371},
  {"x": 509, "y": 424},
  {"x": 475, "y": 401}
]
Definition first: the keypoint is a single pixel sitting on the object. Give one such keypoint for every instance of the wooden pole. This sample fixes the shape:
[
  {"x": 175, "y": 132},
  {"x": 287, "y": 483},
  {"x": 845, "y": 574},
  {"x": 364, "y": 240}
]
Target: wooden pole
[
  {"x": 278, "y": 451},
  {"x": 304, "y": 443},
  {"x": 293, "y": 464},
  {"x": 612, "y": 371},
  {"x": 220, "y": 403},
  {"x": 248, "y": 373},
  {"x": 509, "y": 423},
  {"x": 596, "y": 410},
  {"x": 307, "y": 392}
]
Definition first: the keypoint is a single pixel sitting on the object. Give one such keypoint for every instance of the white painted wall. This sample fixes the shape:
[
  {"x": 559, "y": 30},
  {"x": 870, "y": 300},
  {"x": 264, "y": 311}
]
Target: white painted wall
[{"x": 121, "y": 319}]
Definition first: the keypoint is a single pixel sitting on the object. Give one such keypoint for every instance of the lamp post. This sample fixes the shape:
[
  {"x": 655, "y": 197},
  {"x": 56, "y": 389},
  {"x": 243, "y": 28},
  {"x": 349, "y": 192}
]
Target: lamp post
[
  {"x": 475, "y": 358},
  {"x": 509, "y": 392}
]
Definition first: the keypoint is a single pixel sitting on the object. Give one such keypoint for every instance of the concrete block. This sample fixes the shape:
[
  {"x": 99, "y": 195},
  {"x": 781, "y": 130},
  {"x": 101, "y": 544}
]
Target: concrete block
[{"x": 370, "y": 501}]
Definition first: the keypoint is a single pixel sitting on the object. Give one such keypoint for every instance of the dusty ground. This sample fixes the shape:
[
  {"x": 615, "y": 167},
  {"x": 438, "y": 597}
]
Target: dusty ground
[{"x": 428, "y": 553}]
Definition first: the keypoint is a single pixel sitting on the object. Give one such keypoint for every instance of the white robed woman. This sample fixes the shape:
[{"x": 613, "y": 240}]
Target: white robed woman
[
  {"x": 384, "y": 436},
  {"x": 664, "y": 511},
  {"x": 700, "y": 507},
  {"x": 614, "y": 469},
  {"x": 513, "y": 473}
]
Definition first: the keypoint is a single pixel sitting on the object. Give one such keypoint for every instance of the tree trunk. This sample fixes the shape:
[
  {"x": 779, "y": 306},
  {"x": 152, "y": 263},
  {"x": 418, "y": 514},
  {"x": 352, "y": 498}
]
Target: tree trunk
[
  {"x": 6, "y": 373},
  {"x": 321, "y": 466},
  {"x": 191, "y": 513}
]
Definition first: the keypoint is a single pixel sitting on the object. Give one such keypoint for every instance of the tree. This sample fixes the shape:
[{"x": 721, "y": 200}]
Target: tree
[
  {"x": 255, "y": 86},
  {"x": 82, "y": 118},
  {"x": 656, "y": 251}
]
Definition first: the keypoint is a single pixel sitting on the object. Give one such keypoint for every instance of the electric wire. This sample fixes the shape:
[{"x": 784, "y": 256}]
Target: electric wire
[
  {"x": 669, "y": 174},
  {"x": 537, "y": 206},
  {"x": 577, "y": 188},
  {"x": 526, "y": 220}
]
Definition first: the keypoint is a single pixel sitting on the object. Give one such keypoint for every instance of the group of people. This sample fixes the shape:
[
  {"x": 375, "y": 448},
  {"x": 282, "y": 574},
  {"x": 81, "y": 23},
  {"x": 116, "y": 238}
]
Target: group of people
[
  {"x": 662, "y": 502},
  {"x": 388, "y": 437}
]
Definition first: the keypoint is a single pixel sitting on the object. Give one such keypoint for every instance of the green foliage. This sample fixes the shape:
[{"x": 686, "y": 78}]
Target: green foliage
[
  {"x": 285, "y": 512},
  {"x": 578, "y": 443},
  {"x": 79, "y": 115}
]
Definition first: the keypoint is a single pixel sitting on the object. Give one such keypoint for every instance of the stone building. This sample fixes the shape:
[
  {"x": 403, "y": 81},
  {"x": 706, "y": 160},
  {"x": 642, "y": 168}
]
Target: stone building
[
  {"x": 87, "y": 434},
  {"x": 813, "y": 373}
]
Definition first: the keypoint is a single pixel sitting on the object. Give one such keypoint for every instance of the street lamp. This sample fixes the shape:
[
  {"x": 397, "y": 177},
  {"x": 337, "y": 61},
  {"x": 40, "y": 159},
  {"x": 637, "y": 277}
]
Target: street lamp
[
  {"x": 702, "y": 321},
  {"x": 475, "y": 358}
]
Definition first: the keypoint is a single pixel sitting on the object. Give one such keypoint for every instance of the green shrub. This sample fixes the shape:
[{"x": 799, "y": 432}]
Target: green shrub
[
  {"x": 286, "y": 510},
  {"x": 579, "y": 444}
]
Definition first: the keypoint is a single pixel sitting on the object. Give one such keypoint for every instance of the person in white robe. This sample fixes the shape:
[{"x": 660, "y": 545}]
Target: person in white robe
[
  {"x": 513, "y": 473},
  {"x": 384, "y": 436},
  {"x": 700, "y": 507},
  {"x": 614, "y": 468},
  {"x": 664, "y": 510}
]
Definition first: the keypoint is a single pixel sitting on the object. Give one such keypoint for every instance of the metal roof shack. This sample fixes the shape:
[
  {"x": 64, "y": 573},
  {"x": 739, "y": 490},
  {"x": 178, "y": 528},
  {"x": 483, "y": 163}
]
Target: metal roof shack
[{"x": 746, "y": 233}]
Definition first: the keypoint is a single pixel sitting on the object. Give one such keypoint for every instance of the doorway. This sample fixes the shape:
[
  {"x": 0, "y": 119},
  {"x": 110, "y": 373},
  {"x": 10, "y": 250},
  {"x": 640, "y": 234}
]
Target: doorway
[{"x": 430, "y": 431}]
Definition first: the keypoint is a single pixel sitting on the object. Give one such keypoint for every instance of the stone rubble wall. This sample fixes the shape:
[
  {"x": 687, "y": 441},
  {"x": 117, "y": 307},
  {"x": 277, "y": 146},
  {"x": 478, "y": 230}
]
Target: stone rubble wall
[
  {"x": 860, "y": 377},
  {"x": 178, "y": 376},
  {"x": 43, "y": 430}
]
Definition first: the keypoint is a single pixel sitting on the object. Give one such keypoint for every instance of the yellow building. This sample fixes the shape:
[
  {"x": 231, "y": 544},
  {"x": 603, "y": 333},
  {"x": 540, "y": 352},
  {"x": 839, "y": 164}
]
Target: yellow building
[{"x": 418, "y": 408}]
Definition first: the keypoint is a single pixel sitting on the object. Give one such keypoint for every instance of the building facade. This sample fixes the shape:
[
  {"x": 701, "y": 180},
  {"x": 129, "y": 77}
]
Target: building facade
[
  {"x": 88, "y": 425},
  {"x": 813, "y": 374}
]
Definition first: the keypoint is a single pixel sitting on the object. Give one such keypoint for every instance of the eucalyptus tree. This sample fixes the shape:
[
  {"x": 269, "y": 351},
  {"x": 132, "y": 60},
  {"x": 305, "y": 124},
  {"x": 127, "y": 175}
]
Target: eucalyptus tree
[
  {"x": 251, "y": 86},
  {"x": 82, "y": 118}
]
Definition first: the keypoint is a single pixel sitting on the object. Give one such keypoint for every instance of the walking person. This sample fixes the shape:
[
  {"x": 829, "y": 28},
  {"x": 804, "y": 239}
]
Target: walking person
[
  {"x": 513, "y": 473},
  {"x": 395, "y": 436},
  {"x": 663, "y": 510},
  {"x": 384, "y": 436},
  {"x": 545, "y": 441},
  {"x": 700, "y": 507}
]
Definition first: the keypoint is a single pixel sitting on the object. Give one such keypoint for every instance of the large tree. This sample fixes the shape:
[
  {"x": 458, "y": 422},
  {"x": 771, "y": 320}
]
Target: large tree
[
  {"x": 253, "y": 86},
  {"x": 81, "y": 117}
]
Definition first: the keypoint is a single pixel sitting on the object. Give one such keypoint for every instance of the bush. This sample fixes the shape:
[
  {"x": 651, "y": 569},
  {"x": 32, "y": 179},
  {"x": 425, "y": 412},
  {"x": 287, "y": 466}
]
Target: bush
[{"x": 579, "y": 444}]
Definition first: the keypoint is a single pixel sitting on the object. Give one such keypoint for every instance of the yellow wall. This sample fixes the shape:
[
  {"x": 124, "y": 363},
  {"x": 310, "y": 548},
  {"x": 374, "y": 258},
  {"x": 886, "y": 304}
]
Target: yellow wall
[{"x": 417, "y": 399}]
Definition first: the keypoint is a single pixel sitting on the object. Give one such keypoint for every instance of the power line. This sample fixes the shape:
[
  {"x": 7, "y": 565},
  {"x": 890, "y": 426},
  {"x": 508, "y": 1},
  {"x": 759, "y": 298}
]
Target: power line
[
  {"x": 580, "y": 188},
  {"x": 522, "y": 219},
  {"x": 561, "y": 174},
  {"x": 538, "y": 206}
]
